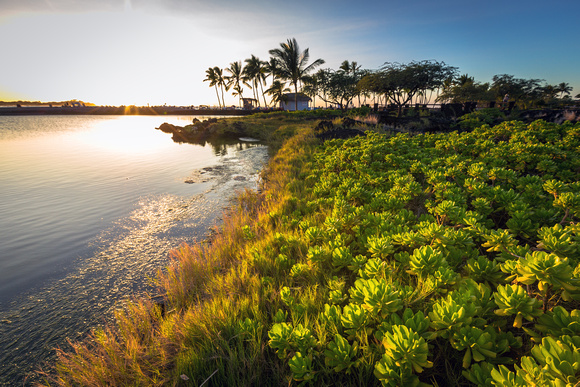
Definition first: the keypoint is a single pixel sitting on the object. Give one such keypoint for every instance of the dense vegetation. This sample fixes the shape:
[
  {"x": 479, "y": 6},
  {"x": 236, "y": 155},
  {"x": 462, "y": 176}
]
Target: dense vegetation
[
  {"x": 393, "y": 259},
  {"x": 396, "y": 84}
]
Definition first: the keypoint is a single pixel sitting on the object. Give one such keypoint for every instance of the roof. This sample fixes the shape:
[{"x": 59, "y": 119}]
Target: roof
[{"x": 301, "y": 97}]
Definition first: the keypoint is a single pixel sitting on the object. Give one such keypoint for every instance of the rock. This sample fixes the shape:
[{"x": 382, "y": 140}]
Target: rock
[
  {"x": 167, "y": 128},
  {"x": 323, "y": 126},
  {"x": 348, "y": 122},
  {"x": 340, "y": 133}
]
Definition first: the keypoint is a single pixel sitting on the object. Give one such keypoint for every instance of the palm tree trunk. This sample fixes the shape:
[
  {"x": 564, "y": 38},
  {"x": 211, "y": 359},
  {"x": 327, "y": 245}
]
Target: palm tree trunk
[
  {"x": 296, "y": 96},
  {"x": 263, "y": 95},
  {"x": 218, "y": 96}
]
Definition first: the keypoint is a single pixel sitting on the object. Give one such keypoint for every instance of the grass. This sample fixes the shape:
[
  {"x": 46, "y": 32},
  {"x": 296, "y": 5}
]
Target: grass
[
  {"x": 306, "y": 278},
  {"x": 213, "y": 326}
]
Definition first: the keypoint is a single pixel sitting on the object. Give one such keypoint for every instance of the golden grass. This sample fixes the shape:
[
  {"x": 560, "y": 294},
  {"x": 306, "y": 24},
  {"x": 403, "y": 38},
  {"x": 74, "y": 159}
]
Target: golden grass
[
  {"x": 138, "y": 351},
  {"x": 212, "y": 291}
]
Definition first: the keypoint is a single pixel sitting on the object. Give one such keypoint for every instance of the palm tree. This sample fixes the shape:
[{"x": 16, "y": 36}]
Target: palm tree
[
  {"x": 272, "y": 68},
  {"x": 255, "y": 72},
  {"x": 550, "y": 91},
  {"x": 277, "y": 91},
  {"x": 564, "y": 88},
  {"x": 221, "y": 82},
  {"x": 353, "y": 69},
  {"x": 293, "y": 64},
  {"x": 212, "y": 78},
  {"x": 465, "y": 79},
  {"x": 311, "y": 87},
  {"x": 238, "y": 92},
  {"x": 236, "y": 79},
  {"x": 350, "y": 67}
]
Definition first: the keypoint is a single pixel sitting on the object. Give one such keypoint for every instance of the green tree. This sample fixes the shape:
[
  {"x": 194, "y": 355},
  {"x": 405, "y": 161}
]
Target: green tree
[
  {"x": 521, "y": 90},
  {"x": 213, "y": 80},
  {"x": 564, "y": 88},
  {"x": 337, "y": 87},
  {"x": 465, "y": 89},
  {"x": 400, "y": 83},
  {"x": 236, "y": 79},
  {"x": 277, "y": 92},
  {"x": 272, "y": 68},
  {"x": 255, "y": 72},
  {"x": 221, "y": 82},
  {"x": 352, "y": 68},
  {"x": 293, "y": 64},
  {"x": 311, "y": 87},
  {"x": 432, "y": 75}
]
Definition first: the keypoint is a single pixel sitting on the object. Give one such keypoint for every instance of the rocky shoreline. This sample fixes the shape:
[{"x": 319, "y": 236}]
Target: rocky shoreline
[{"x": 200, "y": 132}]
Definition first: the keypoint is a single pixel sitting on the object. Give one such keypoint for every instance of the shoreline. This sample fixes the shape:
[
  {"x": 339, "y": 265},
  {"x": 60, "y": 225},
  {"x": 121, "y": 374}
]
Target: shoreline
[{"x": 121, "y": 110}]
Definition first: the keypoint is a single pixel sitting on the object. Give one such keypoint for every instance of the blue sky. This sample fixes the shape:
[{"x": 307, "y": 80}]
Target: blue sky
[{"x": 154, "y": 51}]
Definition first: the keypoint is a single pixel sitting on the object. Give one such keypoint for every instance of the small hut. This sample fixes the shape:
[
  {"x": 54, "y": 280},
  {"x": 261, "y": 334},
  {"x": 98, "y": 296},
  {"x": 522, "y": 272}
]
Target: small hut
[
  {"x": 248, "y": 103},
  {"x": 288, "y": 102}
]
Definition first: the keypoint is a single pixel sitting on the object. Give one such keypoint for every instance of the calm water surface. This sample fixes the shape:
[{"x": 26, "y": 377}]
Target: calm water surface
[{"x": 89, "y": 208}]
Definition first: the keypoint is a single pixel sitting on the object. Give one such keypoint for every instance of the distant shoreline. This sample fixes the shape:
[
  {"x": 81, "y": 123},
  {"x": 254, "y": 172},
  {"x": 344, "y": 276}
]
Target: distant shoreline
[{"x": 120, "y": 110}]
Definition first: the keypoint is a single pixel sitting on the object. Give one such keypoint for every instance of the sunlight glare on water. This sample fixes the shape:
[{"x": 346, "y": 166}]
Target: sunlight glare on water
[
  {"x": 124, "y": 138},
  {"x": 89, "y": 209}
]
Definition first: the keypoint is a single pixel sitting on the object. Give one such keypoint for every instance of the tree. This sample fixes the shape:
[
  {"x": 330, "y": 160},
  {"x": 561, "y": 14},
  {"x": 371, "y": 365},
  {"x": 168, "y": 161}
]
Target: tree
[
  {"x": 519, "y": 90},
  {"x": 212, "y": 78},
  {"x": 221, "y": 82},
  {"x": 352, "y": 68},
  {"x": 432, "y": 75},
  {"x": 236, "y": 79},
  {"x": 293, "y": 63},
  {"x": 337, "y": 87},
  {"x": 564, "y": 88},
  {"x": 400, "y": 83},
  {"x": 311, "y": 87},
  {"x": 550, "y": 92},
  {"x": 465, "y": 79},
  {"x": 277, "y": 91},
  {"x": 272, "y": 68},
  {"x": 465, "y": 89},
  {"x": 255, "y": 72}
]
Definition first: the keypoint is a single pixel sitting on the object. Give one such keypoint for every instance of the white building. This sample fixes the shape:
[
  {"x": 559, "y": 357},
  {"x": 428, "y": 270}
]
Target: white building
[{"x": 289, "y": 103}]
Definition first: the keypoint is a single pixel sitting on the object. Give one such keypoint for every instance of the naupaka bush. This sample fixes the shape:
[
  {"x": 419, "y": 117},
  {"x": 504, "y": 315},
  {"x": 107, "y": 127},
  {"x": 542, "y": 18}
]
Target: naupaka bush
[{"x": 476, "y": 234}]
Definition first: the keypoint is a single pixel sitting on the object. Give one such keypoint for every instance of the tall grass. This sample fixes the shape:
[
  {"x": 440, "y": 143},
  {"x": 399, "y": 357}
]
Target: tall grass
[
  {"x": 218, "y": 296},
  {"x": 140, "y": 350}
]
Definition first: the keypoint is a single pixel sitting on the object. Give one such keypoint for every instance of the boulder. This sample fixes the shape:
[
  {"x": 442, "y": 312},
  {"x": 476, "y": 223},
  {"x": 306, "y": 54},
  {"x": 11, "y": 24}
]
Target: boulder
[{"x": 167, "y": 128}]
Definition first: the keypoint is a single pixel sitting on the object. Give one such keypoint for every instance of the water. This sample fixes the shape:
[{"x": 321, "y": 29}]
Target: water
[{"x": 89, "y": 208}]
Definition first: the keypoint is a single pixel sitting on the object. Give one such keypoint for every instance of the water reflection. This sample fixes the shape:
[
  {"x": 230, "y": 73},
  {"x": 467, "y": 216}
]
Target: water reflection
[
  {"x": 114, "y": 213},
  {"x": 125, "y": 137}
]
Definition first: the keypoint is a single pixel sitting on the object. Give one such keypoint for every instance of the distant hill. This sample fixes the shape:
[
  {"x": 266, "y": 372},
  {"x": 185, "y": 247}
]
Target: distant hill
[{"x": 38, "y": 103}]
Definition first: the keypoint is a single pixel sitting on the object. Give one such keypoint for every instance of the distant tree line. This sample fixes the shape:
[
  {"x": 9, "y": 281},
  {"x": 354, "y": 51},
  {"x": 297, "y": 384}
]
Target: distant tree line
[
  {"x": 396, "y": 84},
  {"x": 40, "y": 103},
  {"x": 526, "y": 92}
]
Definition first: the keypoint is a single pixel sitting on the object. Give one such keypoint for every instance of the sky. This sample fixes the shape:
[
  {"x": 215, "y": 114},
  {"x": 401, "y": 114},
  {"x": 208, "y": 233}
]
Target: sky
[{"x": 139, "y": 52}]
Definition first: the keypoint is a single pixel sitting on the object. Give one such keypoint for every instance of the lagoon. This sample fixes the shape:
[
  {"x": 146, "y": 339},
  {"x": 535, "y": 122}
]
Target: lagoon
[{"x": 90, "y": 206}]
